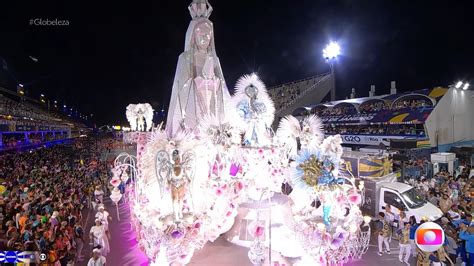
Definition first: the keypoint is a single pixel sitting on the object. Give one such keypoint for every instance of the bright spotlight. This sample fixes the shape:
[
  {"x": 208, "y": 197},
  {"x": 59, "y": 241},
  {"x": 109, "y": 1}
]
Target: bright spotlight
[
  {"x": 458, "y": 84},
  {"x": 466, "y": 86},
  {"x": 331, "y": 51}
]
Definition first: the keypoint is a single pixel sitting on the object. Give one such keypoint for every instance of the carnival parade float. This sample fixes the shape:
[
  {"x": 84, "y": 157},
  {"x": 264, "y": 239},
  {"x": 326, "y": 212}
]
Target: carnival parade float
[{"x": 216, "y": 169}]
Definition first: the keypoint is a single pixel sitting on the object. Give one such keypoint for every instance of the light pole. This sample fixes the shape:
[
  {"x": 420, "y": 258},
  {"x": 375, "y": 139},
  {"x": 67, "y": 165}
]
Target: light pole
[
  {"x": 458, "y": 86},
  {"x": 330, "y": 53}
]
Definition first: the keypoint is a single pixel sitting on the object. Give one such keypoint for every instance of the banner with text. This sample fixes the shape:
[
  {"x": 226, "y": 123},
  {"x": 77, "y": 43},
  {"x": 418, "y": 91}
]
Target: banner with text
[
  {"x": 402, "y": 116},
  {"x": 369, "y": 139}
]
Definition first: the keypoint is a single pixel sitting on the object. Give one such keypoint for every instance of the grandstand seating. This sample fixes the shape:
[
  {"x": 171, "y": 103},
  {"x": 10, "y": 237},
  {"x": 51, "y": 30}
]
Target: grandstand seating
[
  {"x": 24, "y": 122},
  {"x": 289, "y": 96}
]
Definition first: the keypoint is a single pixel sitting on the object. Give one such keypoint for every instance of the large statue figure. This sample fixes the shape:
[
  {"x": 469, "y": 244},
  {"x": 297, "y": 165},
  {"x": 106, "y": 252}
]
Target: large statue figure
[
  {"x": 199, "y": 87},
  {"x": 139, "y": 115}
]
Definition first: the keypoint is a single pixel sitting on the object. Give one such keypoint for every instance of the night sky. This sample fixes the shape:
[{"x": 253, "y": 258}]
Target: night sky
[{"x": 116, "y": 53}]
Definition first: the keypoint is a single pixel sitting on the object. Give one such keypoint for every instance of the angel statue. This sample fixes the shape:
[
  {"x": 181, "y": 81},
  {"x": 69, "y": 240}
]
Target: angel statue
[
  {"x": 199, "y": 87},
  {"x": 176, "y": 173},
  {"x": 256, "y": 110}
]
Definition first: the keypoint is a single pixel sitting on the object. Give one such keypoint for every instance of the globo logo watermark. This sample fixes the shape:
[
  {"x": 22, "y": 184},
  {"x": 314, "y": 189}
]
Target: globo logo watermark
[{"x": 429, "y": 237}]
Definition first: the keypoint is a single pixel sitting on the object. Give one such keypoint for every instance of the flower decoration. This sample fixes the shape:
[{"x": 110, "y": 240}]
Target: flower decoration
[
  {"x": 355, "y": 198},
  {"x": 115, "y": 182}
]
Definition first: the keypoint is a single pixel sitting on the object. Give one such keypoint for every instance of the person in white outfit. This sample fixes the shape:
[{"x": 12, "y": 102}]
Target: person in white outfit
[
  {"x": 104, "y": 216},
  {"x": 97, "y": 259},
  {"x": 98, "y": 237},
  {"x": 405, "y": 246}
]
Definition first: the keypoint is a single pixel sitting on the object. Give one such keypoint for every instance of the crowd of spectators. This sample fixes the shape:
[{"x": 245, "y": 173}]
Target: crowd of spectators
[
  {"x": 43, "y": 193},
  {"x": 454, "y": 197},
  {"x": 282, "y": 96},
  {"x": 16, "y": 140},
  {"x": 406, "y": 130},
  {"x": 27, "y": 113},
  {"x": 373, "y": 107},
  {"x": 368, "y": 108},
  {"x": 412, "y": 104}
]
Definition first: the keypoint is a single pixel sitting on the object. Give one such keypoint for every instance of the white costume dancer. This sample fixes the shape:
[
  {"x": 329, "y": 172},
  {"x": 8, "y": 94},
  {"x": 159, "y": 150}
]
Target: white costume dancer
[
  {"x": 199, "y": 87},
  {"x": 103, "y": 216},
  {"x": 99, "y": 237}
]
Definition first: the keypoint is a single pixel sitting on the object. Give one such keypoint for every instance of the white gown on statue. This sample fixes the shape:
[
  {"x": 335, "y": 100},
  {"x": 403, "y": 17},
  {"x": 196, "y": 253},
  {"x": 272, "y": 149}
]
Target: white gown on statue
[{"x": 195, "y": 84}]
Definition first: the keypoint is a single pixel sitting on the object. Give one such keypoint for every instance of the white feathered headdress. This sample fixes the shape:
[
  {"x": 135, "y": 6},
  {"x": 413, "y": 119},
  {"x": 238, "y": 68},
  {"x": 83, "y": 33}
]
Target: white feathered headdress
[
  {"x": 216, "y": 132},
  {"x": 312, "y": 129},
  {"x": 309, "y": 131},
  {"x": 161, "y": 140},
  {"x": 332, "y": 146},
  {"x": 262, "y": 96}
]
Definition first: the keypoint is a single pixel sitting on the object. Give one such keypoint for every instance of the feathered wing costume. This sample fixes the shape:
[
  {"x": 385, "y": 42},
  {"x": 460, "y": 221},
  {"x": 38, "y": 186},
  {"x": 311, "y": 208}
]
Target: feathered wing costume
[
  {"x": 169, "y": 165},
  {"x": 186, "y": 106},
  {"x": 288, "y": 131},
  {"x": 216, "y": 132},
  {"x": 131, "y": 116},
  {"x": 255, "y": 110},
  {"x": 148, "y": 116},
  {"x": 312, "y": 133},
  {"x": 309, "y": 132}
]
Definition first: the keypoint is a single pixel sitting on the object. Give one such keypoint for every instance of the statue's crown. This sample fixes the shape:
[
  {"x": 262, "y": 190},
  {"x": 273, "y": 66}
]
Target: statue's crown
[{"x": 200, "y": 8}]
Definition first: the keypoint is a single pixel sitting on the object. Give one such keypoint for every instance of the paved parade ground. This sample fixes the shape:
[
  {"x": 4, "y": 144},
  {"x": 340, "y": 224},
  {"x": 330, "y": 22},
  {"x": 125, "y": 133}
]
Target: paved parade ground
[{"x": 125, "y": 251}]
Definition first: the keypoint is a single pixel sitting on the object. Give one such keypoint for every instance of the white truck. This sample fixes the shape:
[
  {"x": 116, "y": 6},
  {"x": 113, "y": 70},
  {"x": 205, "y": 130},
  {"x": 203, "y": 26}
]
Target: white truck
[{"x": 379, "y": 193}]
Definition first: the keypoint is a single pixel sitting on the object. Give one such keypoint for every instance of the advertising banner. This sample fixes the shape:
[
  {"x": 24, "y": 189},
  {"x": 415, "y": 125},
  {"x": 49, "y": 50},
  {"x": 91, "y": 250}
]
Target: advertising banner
[
  {"x": 370, "y": 139},
  {"x": 402, "y": 116}
]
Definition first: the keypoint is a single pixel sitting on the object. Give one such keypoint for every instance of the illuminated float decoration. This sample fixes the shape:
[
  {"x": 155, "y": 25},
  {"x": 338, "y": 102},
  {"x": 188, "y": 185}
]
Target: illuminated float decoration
[
  {"x": 328, "y": 220},
  {"x": 140, "y": 116},
  {"x": 217, "y": 168}
]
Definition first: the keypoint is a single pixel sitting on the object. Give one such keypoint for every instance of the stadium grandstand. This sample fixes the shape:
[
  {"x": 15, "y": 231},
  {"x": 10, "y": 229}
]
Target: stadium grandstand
[
  {"x": 434, "y": 118},
  {"x": 25, "y": 122},
  {"x": 289, "y": 96}
]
